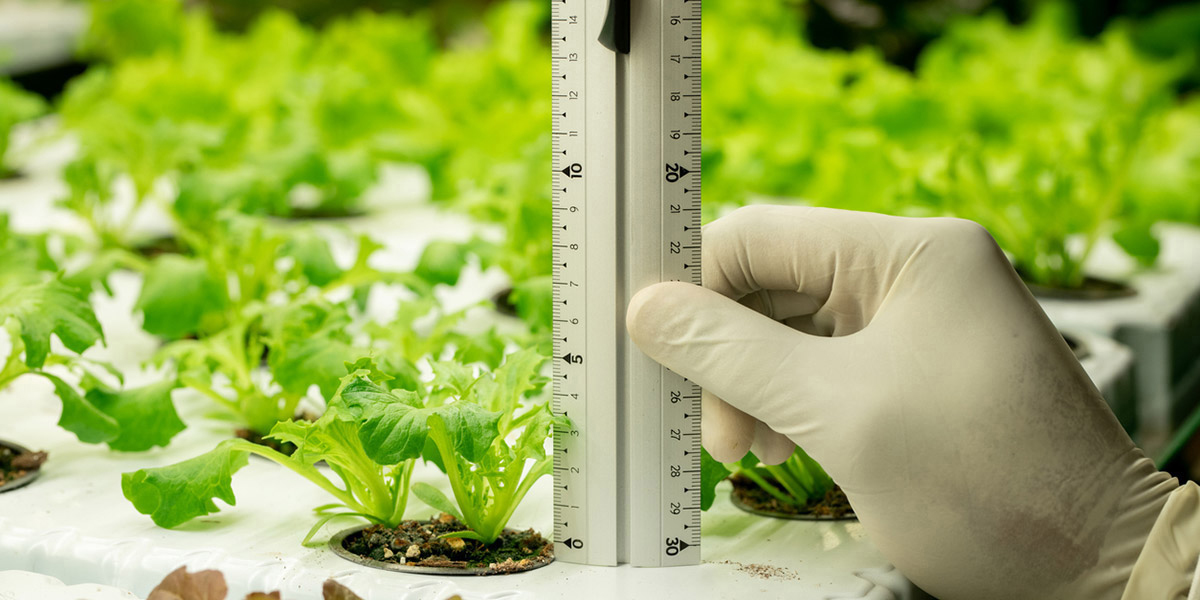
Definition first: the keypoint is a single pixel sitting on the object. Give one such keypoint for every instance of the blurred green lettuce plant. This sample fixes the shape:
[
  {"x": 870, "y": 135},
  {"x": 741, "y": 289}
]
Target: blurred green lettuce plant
[
  {"x": 36, "y": 304},
  {"x": 1050, "y": 141},
  {"x": 16, "y": 106},
  {"x": 796, "y": 482}
]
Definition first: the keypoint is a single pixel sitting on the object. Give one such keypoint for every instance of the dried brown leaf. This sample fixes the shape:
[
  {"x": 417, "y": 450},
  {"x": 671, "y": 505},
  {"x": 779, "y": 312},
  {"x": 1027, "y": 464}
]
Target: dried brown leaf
[
  {"x": 264, "y": 596},
  {"x": 181, "y": 585},
  {"x": 336, "y": 591}
]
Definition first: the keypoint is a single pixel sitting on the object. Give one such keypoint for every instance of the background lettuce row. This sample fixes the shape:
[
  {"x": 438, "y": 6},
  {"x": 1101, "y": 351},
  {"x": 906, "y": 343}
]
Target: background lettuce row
[{"x": 1048, "y": 139}]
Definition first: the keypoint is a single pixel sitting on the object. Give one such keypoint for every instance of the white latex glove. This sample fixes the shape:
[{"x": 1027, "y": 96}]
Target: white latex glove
[{"x": 907, "y": 357}]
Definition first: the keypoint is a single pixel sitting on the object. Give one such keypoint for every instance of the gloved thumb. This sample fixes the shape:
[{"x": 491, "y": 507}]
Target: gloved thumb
[{"x": 765, "y": 370}]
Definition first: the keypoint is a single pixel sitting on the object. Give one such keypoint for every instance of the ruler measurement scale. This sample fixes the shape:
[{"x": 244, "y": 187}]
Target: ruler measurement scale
[
  {"x": 584, "y": 221},
  {"x": 626, "y": 193}
]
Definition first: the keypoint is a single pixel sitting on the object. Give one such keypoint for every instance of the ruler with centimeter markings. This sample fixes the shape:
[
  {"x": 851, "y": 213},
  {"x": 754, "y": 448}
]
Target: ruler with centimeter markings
[{"x": 626, "y": 195}]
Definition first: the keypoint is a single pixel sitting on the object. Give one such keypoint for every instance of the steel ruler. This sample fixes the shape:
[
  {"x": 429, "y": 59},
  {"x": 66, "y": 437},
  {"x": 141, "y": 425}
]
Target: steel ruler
[{"x": 626, "y": 194}]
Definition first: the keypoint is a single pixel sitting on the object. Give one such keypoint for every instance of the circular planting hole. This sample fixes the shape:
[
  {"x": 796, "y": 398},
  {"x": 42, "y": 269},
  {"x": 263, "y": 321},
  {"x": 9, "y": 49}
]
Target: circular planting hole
[
  {"x": 18, "y": 466},
  {"x": 747, "y": 496},
  {"x": 284, "y": 448},
  {"x": 330, "y": 213},
  {"x": 417, "y": 547},
  {"x": 159, "y": 245},
  {"x": 1093, "y": 288},
  {"x": 1078, "y": 347},
  {"x": 504, "y": 304}
]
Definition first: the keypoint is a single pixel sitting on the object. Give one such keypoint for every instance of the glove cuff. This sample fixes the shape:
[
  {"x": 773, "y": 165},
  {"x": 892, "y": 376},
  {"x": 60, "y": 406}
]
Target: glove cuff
[{"x": 1167, "y": 567}]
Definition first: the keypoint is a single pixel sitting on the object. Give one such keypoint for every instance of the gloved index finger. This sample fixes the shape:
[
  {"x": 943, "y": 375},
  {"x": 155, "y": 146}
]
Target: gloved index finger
[{"x": 763, "y": 369}]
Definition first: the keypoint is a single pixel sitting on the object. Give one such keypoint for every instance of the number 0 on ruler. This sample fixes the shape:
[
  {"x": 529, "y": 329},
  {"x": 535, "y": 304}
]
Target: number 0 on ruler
[{"x": 626, "y": 193}]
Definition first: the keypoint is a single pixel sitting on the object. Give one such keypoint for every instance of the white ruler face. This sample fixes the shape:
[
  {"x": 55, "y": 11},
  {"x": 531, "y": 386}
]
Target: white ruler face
[{"x": 626, "y": 198}]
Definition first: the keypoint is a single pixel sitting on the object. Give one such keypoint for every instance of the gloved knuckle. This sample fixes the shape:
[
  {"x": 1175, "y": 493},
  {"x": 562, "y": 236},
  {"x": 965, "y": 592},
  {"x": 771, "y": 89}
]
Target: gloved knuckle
[
  {"x": 964, "y": 236},
  {"x": 742, "y": 219},
  {"x": 750, "y": 211}
]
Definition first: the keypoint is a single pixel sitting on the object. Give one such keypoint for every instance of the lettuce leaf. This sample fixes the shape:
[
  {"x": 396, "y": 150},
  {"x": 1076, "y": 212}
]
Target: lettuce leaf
[
  {"x": 180, "y": 296},
  {"x": 79, "y": 416},
  {"x": 175, "y": 494},
  {"x": 146, "y": 414},
  {"x": 49, "y": 307}
]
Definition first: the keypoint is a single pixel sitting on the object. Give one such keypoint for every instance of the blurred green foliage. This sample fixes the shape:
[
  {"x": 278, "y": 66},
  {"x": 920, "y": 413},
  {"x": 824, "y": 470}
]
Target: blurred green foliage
[
  {"x": 130, "y": 28},
  {"x": 16, "y": 106},
  {"x": 901, "y": 29},
  {"x": 124, "y": 28},
  {"x": 1173, "y": 31},
  {"x": 259, "y": 115},
  {"x": 287, "y": 120},
  {"x": 1049, "y": 140},
  {"x": 448, "y": 16}
]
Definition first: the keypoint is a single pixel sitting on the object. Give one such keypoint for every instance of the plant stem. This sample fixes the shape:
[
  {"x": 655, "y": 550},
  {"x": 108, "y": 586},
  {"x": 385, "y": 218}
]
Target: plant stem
[
  {"x": 768, "y": 488},
  {"x": 364, "y": 478},
  {"x": 540, "y": 468},
  {"x": 470, "y": 513},
  {"x": 308, "y": 472},
  {"x": 14, "y": 367},
  {"x": 218, "y": 398},
  {"x": 401, "y": 480},
  {"x": 791, "y": 478}
]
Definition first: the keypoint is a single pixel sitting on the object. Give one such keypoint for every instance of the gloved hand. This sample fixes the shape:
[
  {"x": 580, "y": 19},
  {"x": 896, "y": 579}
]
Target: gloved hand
[{"x": 907, "y": 357}]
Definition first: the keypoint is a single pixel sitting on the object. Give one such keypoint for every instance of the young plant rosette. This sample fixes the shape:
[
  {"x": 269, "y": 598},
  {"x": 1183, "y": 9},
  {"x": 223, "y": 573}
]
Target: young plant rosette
[
  {"x": 475, "y": 427},
  {"x": 798, "y": 488}
]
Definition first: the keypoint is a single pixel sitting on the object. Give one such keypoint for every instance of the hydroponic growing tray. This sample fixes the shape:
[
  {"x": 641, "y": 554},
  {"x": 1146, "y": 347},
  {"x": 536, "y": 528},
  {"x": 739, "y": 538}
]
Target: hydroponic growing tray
[
  {"x": 1160, "y": 324},
  {"x": 75, "y": 526}
]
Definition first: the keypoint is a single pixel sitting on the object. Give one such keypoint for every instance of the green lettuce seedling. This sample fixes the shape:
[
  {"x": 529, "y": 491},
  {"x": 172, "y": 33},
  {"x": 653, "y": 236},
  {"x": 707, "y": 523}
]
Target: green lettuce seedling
[
  {"x": 1050, "y": 140},
  {"x": 495, "y": 452},
  {"x": 16, "y": 105},
  {"x": 287, "y": 120},
  {"x": 251, "y": 287},
  {"x": 798, "y": 481},
  {"x": 305, "y": 342},
  {"x": 34, "y": 305},
  {"x": 370, "y": 465},
  {"x": 236, "y": 262},
  {"x": 236, "y": 301},
  {"x": 371, "y": 436}
]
